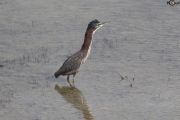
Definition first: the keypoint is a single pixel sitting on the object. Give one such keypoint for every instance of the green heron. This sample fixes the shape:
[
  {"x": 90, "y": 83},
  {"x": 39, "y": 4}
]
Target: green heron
[{"x": 74, "y": 63}]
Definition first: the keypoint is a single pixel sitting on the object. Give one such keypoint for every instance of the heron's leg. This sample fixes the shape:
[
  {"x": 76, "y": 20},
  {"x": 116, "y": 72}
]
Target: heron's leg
[
  {"x": 68, "y": 80},
  {"x": 73, "y": 78}
]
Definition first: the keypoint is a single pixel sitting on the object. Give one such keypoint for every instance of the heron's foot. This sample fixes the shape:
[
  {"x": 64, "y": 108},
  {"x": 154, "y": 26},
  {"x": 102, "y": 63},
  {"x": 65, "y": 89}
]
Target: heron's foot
[
  {"x": 73, "y": 82},
  {"x": 70, "y": 84},
  {"x": 68, "y": 80}
]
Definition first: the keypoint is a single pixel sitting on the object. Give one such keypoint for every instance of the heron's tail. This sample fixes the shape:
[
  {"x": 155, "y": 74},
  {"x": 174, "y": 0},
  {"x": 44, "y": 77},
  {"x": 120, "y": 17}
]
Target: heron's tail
[{"x": 57, "y": 74}]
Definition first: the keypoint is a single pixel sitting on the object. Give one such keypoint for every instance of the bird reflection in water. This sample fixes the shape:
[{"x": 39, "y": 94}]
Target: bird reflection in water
[{"x": 74, "y": 96}]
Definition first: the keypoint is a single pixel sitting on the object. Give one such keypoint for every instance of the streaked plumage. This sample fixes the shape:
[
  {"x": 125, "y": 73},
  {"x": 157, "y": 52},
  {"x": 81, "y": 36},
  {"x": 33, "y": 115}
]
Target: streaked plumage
[{"x": 74, "y": 63}]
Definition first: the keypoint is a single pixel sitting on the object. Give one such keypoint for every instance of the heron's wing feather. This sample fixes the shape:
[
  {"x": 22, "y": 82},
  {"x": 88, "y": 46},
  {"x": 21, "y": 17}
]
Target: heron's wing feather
[{"x": 71, "y": 64}]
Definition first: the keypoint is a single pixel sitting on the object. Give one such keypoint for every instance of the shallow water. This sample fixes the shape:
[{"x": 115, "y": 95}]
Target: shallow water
[{"x": 141, "y": 44}]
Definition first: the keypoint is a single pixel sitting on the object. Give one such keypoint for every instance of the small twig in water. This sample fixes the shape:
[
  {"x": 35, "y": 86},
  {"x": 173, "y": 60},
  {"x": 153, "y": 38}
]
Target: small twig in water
[{"x": 121, "y": 78}]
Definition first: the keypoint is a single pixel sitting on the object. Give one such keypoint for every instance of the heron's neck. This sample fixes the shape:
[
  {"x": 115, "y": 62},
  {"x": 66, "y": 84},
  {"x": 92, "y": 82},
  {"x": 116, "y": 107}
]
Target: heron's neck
[{"x": 87, "y": 40}]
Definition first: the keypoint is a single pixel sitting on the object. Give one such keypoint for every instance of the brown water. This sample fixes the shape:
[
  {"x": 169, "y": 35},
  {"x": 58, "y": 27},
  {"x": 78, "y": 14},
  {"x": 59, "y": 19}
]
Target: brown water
[{"x": 141, "y": 44}]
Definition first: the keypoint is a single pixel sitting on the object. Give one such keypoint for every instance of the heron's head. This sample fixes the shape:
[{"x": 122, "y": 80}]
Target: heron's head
[{"x": 95, "y": 24}]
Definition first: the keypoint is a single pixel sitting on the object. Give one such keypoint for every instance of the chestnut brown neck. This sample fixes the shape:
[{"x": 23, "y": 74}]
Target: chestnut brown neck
[{"x": 87, "y": 40}]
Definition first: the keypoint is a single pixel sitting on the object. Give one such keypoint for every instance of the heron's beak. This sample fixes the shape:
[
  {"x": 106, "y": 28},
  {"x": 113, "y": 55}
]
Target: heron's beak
[
  {"x": 105, "y": 22},
  {"x": 102, "y": 23}
]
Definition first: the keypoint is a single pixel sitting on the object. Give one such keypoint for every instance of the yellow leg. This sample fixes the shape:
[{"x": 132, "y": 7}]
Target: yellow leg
[
  {"x": 73, "y": 81},
  {"x": 73, "y": 78},
  {"x": 68, "y": 80}
]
